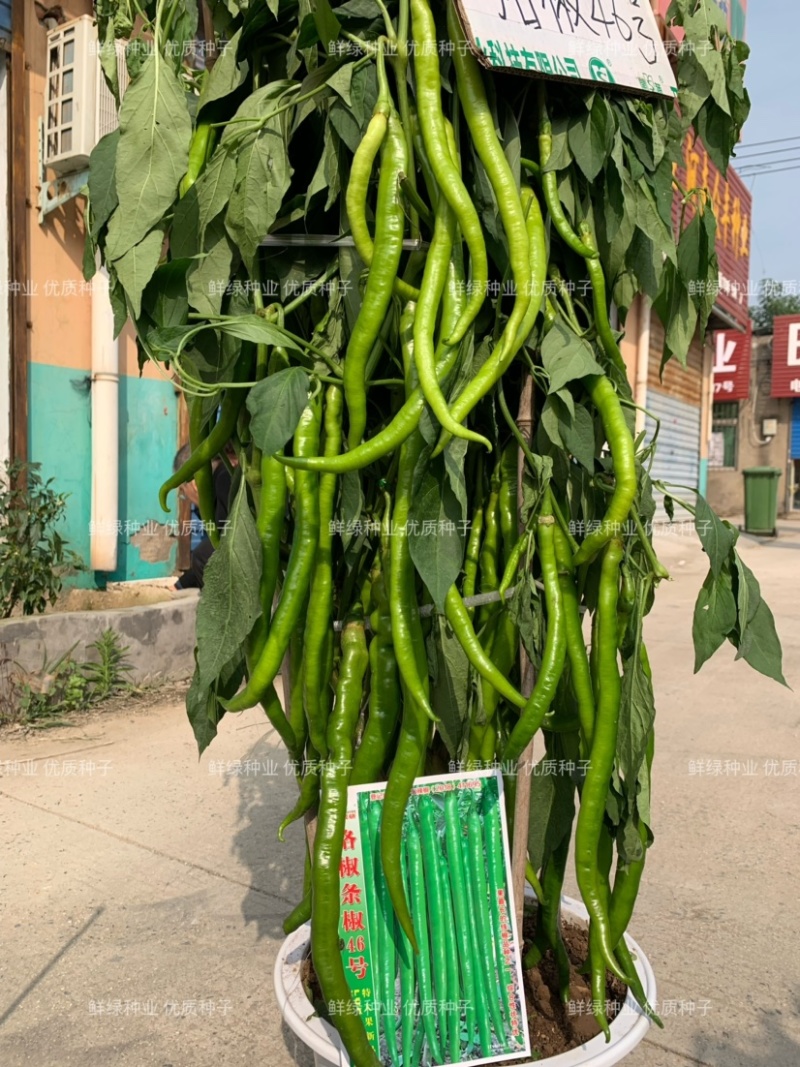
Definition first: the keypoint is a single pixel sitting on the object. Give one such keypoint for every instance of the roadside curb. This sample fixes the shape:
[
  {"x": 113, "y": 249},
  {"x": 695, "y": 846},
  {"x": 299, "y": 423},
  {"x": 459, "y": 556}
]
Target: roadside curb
[{"x": 160, "y": 637}]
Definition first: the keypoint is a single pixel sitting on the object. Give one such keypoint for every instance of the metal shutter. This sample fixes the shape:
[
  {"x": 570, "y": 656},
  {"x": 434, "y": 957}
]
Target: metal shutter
[
  {"x": 795, "y": 447},
  {"x": 677, "y": 457}
]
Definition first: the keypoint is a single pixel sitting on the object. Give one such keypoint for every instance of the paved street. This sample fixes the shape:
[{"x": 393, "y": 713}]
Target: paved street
[{"x": 141, "y": 892}]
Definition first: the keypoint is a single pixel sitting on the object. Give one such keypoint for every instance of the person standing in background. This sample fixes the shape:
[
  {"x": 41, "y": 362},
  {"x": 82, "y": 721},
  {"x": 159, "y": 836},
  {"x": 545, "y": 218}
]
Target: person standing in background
[{"x": 202, "y": 548}]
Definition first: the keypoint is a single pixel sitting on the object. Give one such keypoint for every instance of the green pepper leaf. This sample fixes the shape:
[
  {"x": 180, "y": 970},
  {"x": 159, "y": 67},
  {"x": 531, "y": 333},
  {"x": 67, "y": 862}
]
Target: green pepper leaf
[
  {"x": 226, "y": 76},
  {"x": 341, "y": 82},
  {"x": 275, "y": 405},
  {"x": 714, "y": 615},
  {"x": 102, "y": 181},
  {"x": 716, "y": 536},
  {"x": 328, "y": 26},
  {"x": 567, "y": 357},
  {"x": 152, "y": 155},
  {"x": 579, "y": 437},
  {"x": 760, "y": 645},
  {"x": 208, "y": 278},
  {"x": 435, "y": 534},
  {"x": 263, "y": 172},
  {"x": 450, "y": 685},
  {"x": 591, "y": 138},
  {"x": 229, "y": 605},
  {"x": 136, "y": 267},
  {"x": 214, "y": 187},
  {"x": 552, "y": 810},
  {"x": 164, "y": 299},
  {"x": 637, "y": 712},
  {"x": 202, "y": 701}
]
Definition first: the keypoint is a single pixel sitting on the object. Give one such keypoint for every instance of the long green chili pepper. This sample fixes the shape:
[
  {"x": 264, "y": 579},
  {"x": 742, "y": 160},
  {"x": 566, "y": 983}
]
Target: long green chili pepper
[
  {"x": 361, "y": 171},
  {"x": 300, "y": 914},
  {"x": 500, "y": 360},
  {"x": 326, "y": 898},
  {"x": 512, "y": 564},
  {"x": 199, "y": 152},
  {"x": 220, "y": 433},
  {"x": 308, "y": 799},
  {"x": 370, "y": 900},
  {"x": 459, "y": 894},
  {"x": 390, "y": 224},
  {"x": 555, "y": 650},
  {"x": 580, "y": 673},
  {"x": 550, "y": 184},
  {"x": 298, "y": 569},
  {"x": 319, "y": 620},
  {"x": 622, "y": 952},
  {"x": 488, "y": 972},
  {"x": 433, "y": 889},
  {"x": 620, "y": 442},
  {"x": 482, "y": 1016},
  {"x": 418, "y": 890},
  {"x": 472, "y": 556},
  {"x": 384, "y": 694},
  {"x": 405, "y": 952},
  {"x": 445, "y": 169},
  {"x": 605, "y": 334},
  {"x": 273, "y": 709},
  {"x": 480, "y": 121},
  {"x": 363, "y": 161},
  {"x": 433, "y": 282},
  {"x": 601, "y": 758},
  {"x": 406, "y": 629},
  {"x": 204, "y": 475},
  {"x": 533, "y": 881},
  {"x": 553, "y": 884},
  {"x": 490, "y": 547},
  {"x": 387, "y": 954},
  {"x": 294, "y": 698},
  {"x": 497, "y": 880},
  {"x": 269, "y": 523},
  {"x": 598, "y": 979},
  {"x": 405, "y": 768},
  {"x": 628, "y": 877},
  {"x": 453, "y": 987},
  {"x": 458, "y": 617},
  {"x": 387, "y": 440}
]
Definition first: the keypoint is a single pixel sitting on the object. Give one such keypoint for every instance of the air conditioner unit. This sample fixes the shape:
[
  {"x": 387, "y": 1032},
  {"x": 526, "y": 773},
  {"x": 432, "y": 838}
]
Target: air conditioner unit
[{"x": 80, "y": 108}]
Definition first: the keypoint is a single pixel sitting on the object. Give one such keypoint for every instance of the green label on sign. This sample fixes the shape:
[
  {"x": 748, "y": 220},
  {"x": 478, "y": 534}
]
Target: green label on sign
[{"x": 460, "y": 999}]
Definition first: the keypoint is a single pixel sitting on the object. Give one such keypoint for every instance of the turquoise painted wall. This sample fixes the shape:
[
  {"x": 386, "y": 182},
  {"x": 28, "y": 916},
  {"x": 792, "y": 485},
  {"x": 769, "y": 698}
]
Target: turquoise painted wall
[{"x": 59, "y": 431}]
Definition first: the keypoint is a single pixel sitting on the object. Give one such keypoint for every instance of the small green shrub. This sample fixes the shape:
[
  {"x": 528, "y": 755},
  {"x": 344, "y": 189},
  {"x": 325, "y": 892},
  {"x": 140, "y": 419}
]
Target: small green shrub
[
  {"x": 33, "y": 555},
  {"x": 65, "y": 685}
]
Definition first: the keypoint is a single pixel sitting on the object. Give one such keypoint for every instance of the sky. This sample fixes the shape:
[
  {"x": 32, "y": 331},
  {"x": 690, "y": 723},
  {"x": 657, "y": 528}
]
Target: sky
[{"x": 773, "y": 81}]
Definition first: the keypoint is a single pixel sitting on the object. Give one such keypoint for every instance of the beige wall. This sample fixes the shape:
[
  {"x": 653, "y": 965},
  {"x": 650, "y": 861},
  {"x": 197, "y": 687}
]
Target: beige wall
[{"x": 726, "y": 486}]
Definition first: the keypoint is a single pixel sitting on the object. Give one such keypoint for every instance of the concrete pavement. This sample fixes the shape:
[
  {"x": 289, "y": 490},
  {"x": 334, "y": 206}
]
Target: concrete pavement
[{"x": 141, "y": 892}]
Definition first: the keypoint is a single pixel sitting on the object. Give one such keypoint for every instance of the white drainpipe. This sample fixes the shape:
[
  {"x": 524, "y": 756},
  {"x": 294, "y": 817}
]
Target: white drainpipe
[
  {"x": 642, "y": 361},
  {"x": 105, "y": 429}
]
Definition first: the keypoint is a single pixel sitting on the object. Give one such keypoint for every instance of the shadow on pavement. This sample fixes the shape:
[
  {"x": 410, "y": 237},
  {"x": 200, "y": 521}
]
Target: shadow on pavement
[
  {"x": 771, "y": 1045},
  {"x": 266, "y": 793}
]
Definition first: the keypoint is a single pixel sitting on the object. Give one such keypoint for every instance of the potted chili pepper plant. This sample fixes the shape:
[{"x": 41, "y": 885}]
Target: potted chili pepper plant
[{"x": 384, "y": 278}]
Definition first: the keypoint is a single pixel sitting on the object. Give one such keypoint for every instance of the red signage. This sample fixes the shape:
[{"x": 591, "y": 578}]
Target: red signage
[
  {"x": 731, "y": 372},
  {"x": 732, "y": 205},
  {"x": 786, "y": 356}
]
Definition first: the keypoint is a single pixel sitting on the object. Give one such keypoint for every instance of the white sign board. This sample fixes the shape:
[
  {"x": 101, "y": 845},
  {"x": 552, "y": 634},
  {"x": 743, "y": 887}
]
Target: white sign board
[{"x": 614, "y": 42}]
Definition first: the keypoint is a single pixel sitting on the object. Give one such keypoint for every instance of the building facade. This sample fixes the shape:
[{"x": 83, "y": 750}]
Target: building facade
[
  {"x": 105, "y": 432},
  {"x": 752, "y": 431}
]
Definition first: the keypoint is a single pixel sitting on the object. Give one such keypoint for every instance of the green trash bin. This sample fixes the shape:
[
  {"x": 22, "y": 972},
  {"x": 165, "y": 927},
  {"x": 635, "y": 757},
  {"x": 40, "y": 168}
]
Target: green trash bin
[{"x": 761, "y": 500}]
